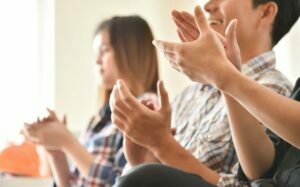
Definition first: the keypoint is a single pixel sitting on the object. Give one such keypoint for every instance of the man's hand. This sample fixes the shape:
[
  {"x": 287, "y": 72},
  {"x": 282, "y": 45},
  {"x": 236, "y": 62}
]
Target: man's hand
[
  {"x": 143, "y": 126},
  {"x": 188, "y": 31},
  {"x": 203, "y": 60}
]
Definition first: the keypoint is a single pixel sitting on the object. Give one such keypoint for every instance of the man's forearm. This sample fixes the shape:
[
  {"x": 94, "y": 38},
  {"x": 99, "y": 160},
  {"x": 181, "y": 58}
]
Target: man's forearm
[
  {"x": 171, "y": 153},
  {"x": 278, "y": 113},
  {"x": 254, "y": 148}
]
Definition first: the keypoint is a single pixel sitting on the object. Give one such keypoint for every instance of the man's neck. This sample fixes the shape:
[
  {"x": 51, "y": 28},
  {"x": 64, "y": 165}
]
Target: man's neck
[{"x": 255, "y": 49}]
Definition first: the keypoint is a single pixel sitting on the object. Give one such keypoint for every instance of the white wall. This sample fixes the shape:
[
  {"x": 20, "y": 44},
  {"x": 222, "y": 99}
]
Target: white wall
[
  {"x": 75, "y": 23},
  {"x": 288, "y": 53}
]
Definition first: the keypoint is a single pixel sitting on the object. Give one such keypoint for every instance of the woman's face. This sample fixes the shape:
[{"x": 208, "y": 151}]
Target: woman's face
[{"x": 105, "y": 59}]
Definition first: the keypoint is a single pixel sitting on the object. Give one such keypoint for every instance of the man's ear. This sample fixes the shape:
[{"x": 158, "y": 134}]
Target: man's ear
[{"x": 268, "y": 13}]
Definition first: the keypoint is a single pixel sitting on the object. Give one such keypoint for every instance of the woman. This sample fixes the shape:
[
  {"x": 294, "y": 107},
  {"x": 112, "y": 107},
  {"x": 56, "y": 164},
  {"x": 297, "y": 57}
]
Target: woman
[{"x": 124, "y": 50}]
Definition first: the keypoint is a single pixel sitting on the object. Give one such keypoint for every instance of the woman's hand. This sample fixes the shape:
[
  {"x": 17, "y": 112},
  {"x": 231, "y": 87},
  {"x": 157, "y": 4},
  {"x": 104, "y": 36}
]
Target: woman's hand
[{"x": 49, "y": 132}]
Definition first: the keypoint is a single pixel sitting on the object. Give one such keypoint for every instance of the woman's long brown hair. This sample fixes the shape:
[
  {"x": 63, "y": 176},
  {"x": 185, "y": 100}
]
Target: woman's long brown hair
[{"x": 135, "y": 56}]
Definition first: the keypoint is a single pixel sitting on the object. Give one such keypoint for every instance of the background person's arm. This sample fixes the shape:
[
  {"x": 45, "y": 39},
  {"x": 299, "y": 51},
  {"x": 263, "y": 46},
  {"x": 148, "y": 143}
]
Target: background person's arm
[
  {"x": 59, "y": 168},
  {"x": 77, "y": 154}
]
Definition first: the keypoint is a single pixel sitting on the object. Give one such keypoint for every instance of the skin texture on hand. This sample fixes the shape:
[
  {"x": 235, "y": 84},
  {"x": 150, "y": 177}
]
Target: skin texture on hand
[
  {"x": 134, "y": 153},
  {"x": 143, "y": 126},
  {"x": 151, "y": 129},
  {"x": 49, "y": 132},
  {"x": 203, "y": 59}
]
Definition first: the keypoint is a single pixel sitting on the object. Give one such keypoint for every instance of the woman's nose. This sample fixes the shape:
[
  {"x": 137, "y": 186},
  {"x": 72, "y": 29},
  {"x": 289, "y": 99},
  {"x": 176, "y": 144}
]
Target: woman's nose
[{"x": 99, "y": 60}]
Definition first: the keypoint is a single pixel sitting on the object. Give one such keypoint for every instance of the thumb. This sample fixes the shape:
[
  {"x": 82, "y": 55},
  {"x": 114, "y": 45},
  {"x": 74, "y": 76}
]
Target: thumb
[
  {"x": 163, "y": 96},
  {"x": 126, "y": 95},
  {"x": 232, "y": 47},
  {"x": 201, "y": 20}
]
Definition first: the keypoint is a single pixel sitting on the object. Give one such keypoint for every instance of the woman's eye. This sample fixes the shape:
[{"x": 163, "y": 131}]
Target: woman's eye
[{"x": 104, "y": 50}]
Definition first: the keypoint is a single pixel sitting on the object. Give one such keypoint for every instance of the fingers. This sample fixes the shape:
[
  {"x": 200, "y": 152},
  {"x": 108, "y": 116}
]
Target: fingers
[
  {"x": 126, "y": 96},
  {"x": 118, "y": 122},
  {"x": 184, "y": 33},
  {"x": 148, "y": 104},
  {"x": 230, "y": 33},
  {"x": 165, "y": 46},
  {"x": 170, "y": 51},
  {"x": 121, "y": 110},
  {"x": 232, "y": 47},
  {"x": 29, "y": 132},
  {"x": 221, "y": 38},
  {"x": 189, "y": 18},
  {"x": 118, "y": 106},
  {"x": 163, "y": 96},
  {"x": 52, "y": 114},
  {"x": 201, "y": 20},
  {"x": 119, "y": 103},
  {"x": 182, "y": 39},
  {"x": 188, "y": 30},
  {"x": 172, "y": 58}
]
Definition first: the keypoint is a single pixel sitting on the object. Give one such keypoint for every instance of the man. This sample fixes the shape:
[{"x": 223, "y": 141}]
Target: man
[{"x": 199, "y": 113}]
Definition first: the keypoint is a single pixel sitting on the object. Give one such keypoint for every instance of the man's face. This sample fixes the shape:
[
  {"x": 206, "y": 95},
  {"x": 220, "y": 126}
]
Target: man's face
[{"x": 221, "y": 12}]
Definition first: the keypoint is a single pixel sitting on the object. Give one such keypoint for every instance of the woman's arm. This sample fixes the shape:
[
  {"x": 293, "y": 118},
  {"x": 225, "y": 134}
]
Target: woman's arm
[
  {"x": 59, "y": 167},
  {"x": 78, "y": 154}
]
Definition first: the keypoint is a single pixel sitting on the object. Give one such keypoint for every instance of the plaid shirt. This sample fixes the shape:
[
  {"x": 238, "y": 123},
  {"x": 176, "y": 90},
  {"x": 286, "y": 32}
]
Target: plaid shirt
[
  {"x": 200, "y": 116},
  {"x": 104, "y": 141}
]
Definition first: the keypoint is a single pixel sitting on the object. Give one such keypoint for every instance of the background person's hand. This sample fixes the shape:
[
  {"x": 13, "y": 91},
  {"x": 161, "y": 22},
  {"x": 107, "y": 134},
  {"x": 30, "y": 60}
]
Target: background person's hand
[{"x": 48, "y": 132}]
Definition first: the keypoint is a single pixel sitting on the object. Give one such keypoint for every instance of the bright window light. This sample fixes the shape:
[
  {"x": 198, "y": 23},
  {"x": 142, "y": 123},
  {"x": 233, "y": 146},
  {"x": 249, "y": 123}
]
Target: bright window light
[{"x": 26, "y": 85}]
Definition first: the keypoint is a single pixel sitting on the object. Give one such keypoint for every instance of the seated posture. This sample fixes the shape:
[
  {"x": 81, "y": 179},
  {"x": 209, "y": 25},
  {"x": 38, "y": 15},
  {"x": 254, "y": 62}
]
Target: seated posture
[
  {"x": 268, "y": 158},
  {"x": 124, "y": 50},
  {"x": 203, "y": 154}
]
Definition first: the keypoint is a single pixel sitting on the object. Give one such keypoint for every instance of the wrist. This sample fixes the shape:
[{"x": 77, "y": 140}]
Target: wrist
[
  {"x": 68, "y": 142},
  {"x": 227, "y": 78},
  {"x": 162, "y": 146}
]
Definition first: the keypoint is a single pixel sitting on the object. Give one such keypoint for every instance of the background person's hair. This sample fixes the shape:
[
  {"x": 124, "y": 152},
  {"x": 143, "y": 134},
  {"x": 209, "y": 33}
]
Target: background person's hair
[
  {"x": 288, "y": 14},
  {"x": 135, "y": 56}
]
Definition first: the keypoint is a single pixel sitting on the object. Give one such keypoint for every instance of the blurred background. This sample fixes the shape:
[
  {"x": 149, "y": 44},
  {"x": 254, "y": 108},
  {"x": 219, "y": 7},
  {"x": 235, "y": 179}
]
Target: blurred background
[{"x": 46, "y": 57}]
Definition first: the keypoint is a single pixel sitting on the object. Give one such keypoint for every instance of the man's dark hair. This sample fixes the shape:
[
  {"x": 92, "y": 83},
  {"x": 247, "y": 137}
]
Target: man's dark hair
[{"x": 288, "y": 13}]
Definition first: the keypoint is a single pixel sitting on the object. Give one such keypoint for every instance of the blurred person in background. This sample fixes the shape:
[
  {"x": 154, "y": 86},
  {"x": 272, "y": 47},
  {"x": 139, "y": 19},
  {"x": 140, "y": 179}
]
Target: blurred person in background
[{"x": 124, "y": 50}]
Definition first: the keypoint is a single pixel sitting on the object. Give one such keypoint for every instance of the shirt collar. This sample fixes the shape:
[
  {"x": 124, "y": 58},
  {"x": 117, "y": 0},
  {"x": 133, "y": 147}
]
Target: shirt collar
[{"x": 259, "y": 64}]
